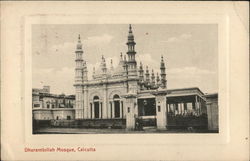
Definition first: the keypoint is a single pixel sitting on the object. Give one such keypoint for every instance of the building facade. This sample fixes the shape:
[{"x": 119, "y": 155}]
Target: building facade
[
  {"x": 47, "y": 106},
  {"x": 130, "y": 91},
  {"x": 212, "y": 111}
]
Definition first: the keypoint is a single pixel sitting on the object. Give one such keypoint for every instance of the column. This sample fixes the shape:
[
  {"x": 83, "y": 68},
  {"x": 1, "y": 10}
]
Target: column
[
  {"x": 108, "y": 110},
  {"x": 185, "y": 107},
  {"x": 196, "y": 104},
  {"x": 100, "y": 110},
  {"x": 105, "y": 102},
  {"x": 176, "y": 108},
  {"x": 161, "y": 112},
  {"x": 199, "y": 105},
  {"x": 124, "y": 109},
  {"x": 182, "y": 108},
  {"x": 130, "y": 104},
  {"x": 93, "y": 110},
  {"x": 85, "y": 102},
  {"x": 90, "y": 110},
  {"x": 121, "y": 111},
  {"x": 113, "y": 109}
]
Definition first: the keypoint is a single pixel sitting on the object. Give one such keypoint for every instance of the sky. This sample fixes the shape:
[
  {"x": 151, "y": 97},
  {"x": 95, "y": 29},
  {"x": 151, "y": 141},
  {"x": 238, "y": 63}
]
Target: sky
[{"x": 190, "y": 52}]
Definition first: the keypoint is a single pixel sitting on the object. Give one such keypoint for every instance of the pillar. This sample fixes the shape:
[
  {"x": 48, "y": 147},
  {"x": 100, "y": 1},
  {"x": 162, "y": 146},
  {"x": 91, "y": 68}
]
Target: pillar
[
  {"x": 90, "y": 110},
  {"x": 130, "y": 106},
  {"x": 100, "y": 110},
  {"x": 93, "y": 110},
  {"x": 121, "y": 111},
  {"x": 196, "y": 105},
  {"x": 85, "y": 103},
  {"x": 113, "y": 109},
  {"x": 176, "y": 109},
  {"x": 105, "y": 102},
  {"x": 124, "y": 109},
  {"x": 109, "y": 110},
  {"x": 161, "y": 112},
  {"x": 185, "y": 107}
]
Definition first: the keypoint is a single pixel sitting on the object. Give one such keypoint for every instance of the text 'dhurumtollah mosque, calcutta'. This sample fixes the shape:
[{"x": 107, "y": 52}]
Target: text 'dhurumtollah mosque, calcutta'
[{"x": 130, "y": 93}]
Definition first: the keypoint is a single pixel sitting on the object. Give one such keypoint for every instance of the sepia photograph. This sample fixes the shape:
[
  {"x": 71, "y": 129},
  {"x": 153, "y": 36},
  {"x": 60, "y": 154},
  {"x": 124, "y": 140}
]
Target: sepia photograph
[{"x": 125, "y": 78}]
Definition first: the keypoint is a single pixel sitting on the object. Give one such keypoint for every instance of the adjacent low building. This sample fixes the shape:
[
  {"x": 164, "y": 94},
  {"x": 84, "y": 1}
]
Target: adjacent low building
[{"x": 47, "y": 106}]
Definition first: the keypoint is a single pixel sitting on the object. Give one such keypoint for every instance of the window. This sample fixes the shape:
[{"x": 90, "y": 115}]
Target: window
[
  {"x": 47, "y": 105},
  {"x": 128, "y": 109},
  {"x": 159, "y": 108},
  {"x": 36, "y": 105}
]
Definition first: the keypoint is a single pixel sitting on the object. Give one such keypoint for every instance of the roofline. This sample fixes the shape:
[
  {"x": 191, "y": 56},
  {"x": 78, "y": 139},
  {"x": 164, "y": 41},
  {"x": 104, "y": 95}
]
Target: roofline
[
  {"x": 211, "y": 95},
  {"x": 189, "y": 88}
]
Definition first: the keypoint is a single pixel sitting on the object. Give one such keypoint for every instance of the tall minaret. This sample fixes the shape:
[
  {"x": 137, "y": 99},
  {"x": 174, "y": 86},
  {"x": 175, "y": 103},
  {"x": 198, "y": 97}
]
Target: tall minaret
[
  {"x": 103, "y": 65},
  {"x": 147, "y": 77},
  {"x": 132, "y": 69},
  {"x": 111, "y": 65},
  {"x": 158, "y": 83},
  {"x": 85, "y": 72},
  {"x": 163, "y": 74},
  {"x": 79, "y": 80},
  {"x": 141, "y": 75},
  {"x": 153, "y": 78}
]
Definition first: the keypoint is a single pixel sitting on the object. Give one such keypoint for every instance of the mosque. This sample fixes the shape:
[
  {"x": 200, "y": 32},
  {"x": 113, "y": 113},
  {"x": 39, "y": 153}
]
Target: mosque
[{"x": 133, "y": 94}]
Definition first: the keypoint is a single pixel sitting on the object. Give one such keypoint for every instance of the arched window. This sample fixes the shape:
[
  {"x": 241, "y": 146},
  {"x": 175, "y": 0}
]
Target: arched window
[
  {"x": 116, "y": 97},
  {"x": 117, "y": 106},
  {"x": 96, "y": 107},
  {"x": 96, "y": 98}
]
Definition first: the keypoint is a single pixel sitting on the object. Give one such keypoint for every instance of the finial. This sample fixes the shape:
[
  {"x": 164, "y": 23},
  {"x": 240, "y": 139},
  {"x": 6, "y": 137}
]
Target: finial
[
  {"x": 121, "y": 54},
  {"x": 161, "y": 57},
  {"x": 111, "y": 61},
  {"x": 125, "y": 58},
  {"x": 79, "y": 38},
  {"x": 140, "y": 63},
  {"x": 152, "y": 70},
  {"x": 130, "y": 28},
  {"x": 94, "y": 70}
]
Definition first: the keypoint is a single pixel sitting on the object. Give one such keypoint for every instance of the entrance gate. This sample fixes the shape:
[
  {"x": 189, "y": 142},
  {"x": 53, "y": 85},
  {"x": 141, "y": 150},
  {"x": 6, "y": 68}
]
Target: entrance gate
[{"x": 146, "y": 112}]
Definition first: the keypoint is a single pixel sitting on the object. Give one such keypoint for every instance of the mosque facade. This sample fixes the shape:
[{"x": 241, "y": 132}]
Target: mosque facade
[{"x": 130, "y": 91}]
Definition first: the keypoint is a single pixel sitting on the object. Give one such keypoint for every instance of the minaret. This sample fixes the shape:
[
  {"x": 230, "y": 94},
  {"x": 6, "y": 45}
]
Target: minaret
[
  {"x": 79, "y": 62},
  {"x": 147, "y": 77},
  {"x": 79, "y": 80},
  {"x": 103, "y": 65},
  {"x": 111, "y": 65},
  {"x": 163, "y": 74},
  {"x": 141, "y": 75},
  {"x": 132, "y": 69},
  {"x": 158, "y": 83},
  {"x": 85, "y": 72},
  {"x": 124, "y": 63},
  {"x": 153, "y": 78}
]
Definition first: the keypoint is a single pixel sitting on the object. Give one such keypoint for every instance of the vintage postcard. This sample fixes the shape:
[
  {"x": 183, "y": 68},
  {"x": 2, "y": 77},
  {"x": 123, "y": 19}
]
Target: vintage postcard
[
  {"x": 129, "y": 78},
  {"x": 103, "y": 81}
]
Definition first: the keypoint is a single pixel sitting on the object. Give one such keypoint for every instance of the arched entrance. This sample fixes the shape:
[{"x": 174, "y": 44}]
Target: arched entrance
[
  {"x": 96, "y": 106},
  {"x": 117, "y": 111}
]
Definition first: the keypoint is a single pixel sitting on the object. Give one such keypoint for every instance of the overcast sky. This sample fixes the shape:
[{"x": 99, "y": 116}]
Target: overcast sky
[{"x": 190, "y": 52}]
